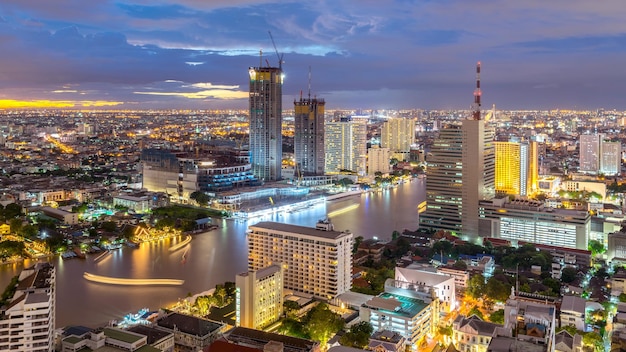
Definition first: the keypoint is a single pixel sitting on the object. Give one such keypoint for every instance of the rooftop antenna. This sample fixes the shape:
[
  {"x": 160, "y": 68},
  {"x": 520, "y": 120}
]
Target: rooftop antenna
[
  {"x": 477, "y": 94},
  {"x": 280, "y": 56},
  {"x": 309, "y": 82},
  {"x": 260, "y": 58}
]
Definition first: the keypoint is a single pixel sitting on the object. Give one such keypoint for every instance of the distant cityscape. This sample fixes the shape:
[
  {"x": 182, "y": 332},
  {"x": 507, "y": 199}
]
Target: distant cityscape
[{"x": 518, "y": 244}]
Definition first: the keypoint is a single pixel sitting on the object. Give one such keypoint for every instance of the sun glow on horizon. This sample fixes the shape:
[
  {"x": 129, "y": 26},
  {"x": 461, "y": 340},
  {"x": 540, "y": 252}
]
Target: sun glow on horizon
[{"x": 41, "y": 104}]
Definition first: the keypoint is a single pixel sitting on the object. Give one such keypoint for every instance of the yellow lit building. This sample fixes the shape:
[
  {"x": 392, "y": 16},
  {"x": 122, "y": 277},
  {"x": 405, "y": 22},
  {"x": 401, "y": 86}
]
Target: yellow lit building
[{"x": 517, "y": 171}]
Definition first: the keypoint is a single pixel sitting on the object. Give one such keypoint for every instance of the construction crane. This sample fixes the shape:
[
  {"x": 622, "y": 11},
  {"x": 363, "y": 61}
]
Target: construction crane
[{"x": 280, "y": 56}]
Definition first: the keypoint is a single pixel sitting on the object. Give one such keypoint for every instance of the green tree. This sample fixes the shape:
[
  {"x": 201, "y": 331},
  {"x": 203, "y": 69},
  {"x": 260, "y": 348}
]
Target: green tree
[
  {"x": 475, "y": 311},
  {"x": 291, "y": 308},
  {"x": 497, "y": 317},
  {"x": 200, "y": 197},
  {"x": 220, "y": 294},
  {"x": 109, "y": 226},
  {"x": 568, "y": 274},
  {"x": 622, "y": 297},
  {"x": 322, "y": 323},
  {"x": 203, "y": 304},
  {"x": 29, "y": 231},
  {"x": 476, "y": 286},
  {"x": 16, "y": 225},
  {"x": 497, "y": 290},
  {"x": 442, "y": 247},
  {"x": 594, "y": 340},
  {"x": 596, "y": 247},
  {"x": 358, "y": 336},
  {"x": 459, "y": 264},
  {"x": 12, "y": 211},
  {"x": 357, "y": 242},
  {"x": 446, "y": 330},
  {"x": 553, "y": 285}
]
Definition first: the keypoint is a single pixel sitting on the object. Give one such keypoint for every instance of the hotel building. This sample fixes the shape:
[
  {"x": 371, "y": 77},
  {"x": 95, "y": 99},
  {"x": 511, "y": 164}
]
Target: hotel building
[
  {"x": 266, "y": 118},
  {"x": 378, "y": 160},
  {"x": 316, "y": 261},
  {"x": 259, "y": 297},
  {"x": 27, "y": 322},
  {"x": 308, "y": 141},
  {"x": 531, "y": 221},
  {"x": 346, "y": 146},
  {"x": 397, "y": 135},
  {"x": 516, "y": 168}
]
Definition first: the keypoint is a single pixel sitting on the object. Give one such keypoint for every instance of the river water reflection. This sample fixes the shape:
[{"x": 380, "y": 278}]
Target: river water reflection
[{"x": 211, "y": 258}]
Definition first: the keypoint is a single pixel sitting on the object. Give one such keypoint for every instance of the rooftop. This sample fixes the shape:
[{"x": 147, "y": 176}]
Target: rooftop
[
  {"x": 122, "y": 335},
  {"x": 188, "y": 324},
  {"x": 299, "y": 230},
  {"x": 397, "y": 305},
  {"x": 151, "y": 333},
  {"x": 262, "y": 337}
]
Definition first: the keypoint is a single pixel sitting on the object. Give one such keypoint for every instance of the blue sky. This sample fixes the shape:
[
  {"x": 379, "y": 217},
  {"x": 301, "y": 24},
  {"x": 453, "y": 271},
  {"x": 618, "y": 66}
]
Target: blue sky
[{"x": 370, "y": 54}]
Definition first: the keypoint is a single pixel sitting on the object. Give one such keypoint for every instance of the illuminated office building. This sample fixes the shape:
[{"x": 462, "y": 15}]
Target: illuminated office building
[
  {"x": 598, "y": 155},
  {"x": 309, "y": 136},
  {"x": 516, "y": 168},
  {"x": 266, "y": 139},
  {"x": 346, "y": 146}
]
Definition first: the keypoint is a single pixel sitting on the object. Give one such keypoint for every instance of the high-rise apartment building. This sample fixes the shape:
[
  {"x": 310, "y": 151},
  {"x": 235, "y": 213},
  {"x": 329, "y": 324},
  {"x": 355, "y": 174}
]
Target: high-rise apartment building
[
  {"x": 610, "y": 158},
  {"x": 346, "y": 146},
  {"x": 259, "y": 297},
  {"x": 266, "y": 139},
  {"x": 308, "y": 141},
  {"x": 398, "y": 134},
  {"x": 378, "y": 160},
  {"x": 27, "y": 322},
  {"x": 597, "y": 155},
  {"x": 516, "y": 168},
  {"x": 589, "y": 151},
  {"x": 316, "y": 261}
]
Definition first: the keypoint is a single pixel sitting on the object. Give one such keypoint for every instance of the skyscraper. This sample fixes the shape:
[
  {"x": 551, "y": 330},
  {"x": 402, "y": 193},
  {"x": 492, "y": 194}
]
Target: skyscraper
[
  {"x": 309, "y": 136},
  {"x": 346, "y": 146},
  {"x": 516, "y": 167},
  {"x": 444, "y": 181},
  {"x": 610, "y": 158},
  {"x": 461, "y": 172},
  {"x": 398, "y": 134},
  {"x": 266, "y": 139},
  {"x": 598, "y": 155}
]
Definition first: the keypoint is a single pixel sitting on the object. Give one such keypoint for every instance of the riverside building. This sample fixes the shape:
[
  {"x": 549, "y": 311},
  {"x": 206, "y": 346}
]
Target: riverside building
[
  {"x": 27, "y": 322},
  {"x": 309, "y": 136},
  {"x": 316, "y": 261}
]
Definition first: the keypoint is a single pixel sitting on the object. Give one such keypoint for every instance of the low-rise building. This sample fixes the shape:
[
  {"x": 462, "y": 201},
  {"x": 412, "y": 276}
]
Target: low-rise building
[
  {"x": 573, "y": 312},
  {"x": 267, "y": 340},
  {"x": 63, "y": 216},
  {"x": 162, "y": 340},
  {"x": 387, "y": 341},
  {"x": 107, "y": 339},
  {"x": 472, "y": 334},
  {"x": 565, "y": 342},
  {"x": 190, "y": 333},
  {"x": 461, "y": 277},
  {"x": 443, "y": 286}
]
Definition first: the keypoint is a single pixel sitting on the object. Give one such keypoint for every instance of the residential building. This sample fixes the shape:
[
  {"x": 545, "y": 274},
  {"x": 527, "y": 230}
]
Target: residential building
[
  {"x": 565, "y": 342},
  {"x": 589, "y": 153},
  {"x": 378, "y": 160},
  {"x": 108, "y": 339},
  {"x": 531, "y": 221},
  {"x": 316, "y": 261},
  {"x": 516, "y": 168},
  {"x": 308, "y": 143},
  {"x": 259, "y": 297},
  {"x": 190, "y": 333},
  {"x": 461, "y": 277},
  {"x": 573, "y": 312},
  {"x": 266, "y": 117},
  {"x": 472, "y": 334},
  {"x": 28, "y": 318},
  {"x": 531, "y": 321},
  {"x": 387, "y": 341},
  {"x": 610, "y": 158},
  {"x": 346, "y": 146},
  {"x": 398, "y": 134},
  {"x": 598, "y": 155},
  {"x": 616, "y": 246}
]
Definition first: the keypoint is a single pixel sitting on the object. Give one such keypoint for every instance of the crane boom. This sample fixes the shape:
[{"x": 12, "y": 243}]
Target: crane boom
[{"x": 279, "y": 56}]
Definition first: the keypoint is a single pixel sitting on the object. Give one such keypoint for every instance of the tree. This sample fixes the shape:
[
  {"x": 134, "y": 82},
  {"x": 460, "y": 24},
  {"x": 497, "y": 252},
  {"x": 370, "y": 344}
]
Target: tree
[
  {"x": 475, "y": 311},
  {"x": 200, "y": 197},
  {"x": 497, "y": 317},
  {"x": 220, "y": 294},
  {"x": 497, "y": 290},
  {"x": 594, "y": 340},
  {"x": 460, "y": 265},
  {"x": 568, "y": 274},
  {"x": 442, "y": 246},
  {"x": 291, "y": 308},
  {"x": 596, "y": 247},
  {"x": 622, "y": 297},
  {"x": 358, "y": 336},
  {"x": 322, "y": 323},
  {"x": 16, "y": 225},
  {"x": 203, "y": 304},
  {"x": 476, "y": 286},
  {"x": 357, "y": 242},
  {"x": 109, "y": 226}
]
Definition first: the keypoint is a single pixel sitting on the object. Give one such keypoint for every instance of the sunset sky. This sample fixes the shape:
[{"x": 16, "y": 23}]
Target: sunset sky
[{"x": 370, "y": 54}]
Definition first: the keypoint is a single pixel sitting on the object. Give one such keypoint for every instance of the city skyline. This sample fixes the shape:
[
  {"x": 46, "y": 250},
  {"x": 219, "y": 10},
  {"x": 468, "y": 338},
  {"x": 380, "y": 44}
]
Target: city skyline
[{"x": 194, "y": 54}]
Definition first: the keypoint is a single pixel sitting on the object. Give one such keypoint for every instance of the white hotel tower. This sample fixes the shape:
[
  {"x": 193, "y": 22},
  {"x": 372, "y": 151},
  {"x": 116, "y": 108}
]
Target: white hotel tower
[{"x": 316, "y": 261}]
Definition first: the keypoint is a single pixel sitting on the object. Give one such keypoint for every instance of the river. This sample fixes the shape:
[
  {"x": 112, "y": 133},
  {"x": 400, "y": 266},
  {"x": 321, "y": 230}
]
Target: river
[{"x": 211, "y": 258}]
